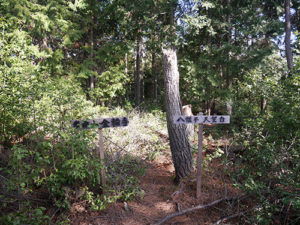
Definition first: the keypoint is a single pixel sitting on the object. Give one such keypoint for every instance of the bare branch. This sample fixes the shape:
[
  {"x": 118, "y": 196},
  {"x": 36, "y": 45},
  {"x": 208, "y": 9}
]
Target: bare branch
[
  {"x": 220, "y": 221},
  {"x": 172, "y": 215}
]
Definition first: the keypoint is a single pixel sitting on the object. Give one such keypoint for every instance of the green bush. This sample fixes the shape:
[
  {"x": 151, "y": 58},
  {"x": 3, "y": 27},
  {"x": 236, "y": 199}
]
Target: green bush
[
  {"x": 59, "y": 160},
  {"x": 28, "y": 215},
  {"x": 269, "y": 165},
  {"x": 20, "y": 82}
]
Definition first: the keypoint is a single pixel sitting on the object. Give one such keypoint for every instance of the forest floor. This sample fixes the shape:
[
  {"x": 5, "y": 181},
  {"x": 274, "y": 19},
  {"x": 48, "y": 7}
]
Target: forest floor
[{"x": 162, "y": 197}]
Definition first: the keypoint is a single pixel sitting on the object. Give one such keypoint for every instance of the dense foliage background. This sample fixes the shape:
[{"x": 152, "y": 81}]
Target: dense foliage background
[{"x": 75, "y": 59}]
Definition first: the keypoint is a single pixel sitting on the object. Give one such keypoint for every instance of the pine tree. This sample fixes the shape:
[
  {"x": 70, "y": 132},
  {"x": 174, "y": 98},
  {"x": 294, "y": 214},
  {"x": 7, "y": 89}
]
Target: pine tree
[{"x": 222, "y": 40}]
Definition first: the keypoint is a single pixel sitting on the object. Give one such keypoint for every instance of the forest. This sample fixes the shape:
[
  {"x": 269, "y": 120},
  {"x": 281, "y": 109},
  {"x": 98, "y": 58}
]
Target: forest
[{"x": 147, "y": 61}]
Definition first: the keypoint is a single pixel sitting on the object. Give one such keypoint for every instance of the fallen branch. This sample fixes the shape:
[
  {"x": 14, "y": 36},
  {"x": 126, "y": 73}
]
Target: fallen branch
[
  {"x": 188, "y": 210},
  {"x": 178, "y": 192},
  {"x": 221, "y": 221},
  {"x": 172, "y": 215}
]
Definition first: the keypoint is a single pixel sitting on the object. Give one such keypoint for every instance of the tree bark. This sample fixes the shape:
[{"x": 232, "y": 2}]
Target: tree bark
[
  {"x": 155, "y": 76},
  {"x": 180, "y": 147},
  {"x": 229, "y": 100},
  {"x": 126, "y": 63},
  {"x": 288, "y": 49},
  {"x": 92, "y": 81},
  {"x": 142, "y": 53},
  {"x": 138, "y": 80}
]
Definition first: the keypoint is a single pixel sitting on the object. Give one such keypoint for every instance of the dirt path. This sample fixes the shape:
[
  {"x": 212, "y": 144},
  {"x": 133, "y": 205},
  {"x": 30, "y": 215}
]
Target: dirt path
[{"x": 162, "y": 197}]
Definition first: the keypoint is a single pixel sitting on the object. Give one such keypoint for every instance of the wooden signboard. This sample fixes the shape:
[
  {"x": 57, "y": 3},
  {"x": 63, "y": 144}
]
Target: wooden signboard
[
  {"x": 201, "y": 120},
  {"x": 100, "y": 123}
]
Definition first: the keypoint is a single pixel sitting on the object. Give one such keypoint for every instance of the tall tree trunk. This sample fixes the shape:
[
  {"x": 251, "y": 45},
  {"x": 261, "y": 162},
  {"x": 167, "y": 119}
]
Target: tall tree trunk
[
  {"x": 288, "y": 49},
  {"x": 179, "y": 143},
  {"x": 126, "y": 63},
  {"x": 154, "y": 75},
  {"x": 229, "y": 100},
  {"x": 180, "y": 147},
  {"x": 127, "y": 93},
  {"x": 92, "y": 83},
  {"x": 142, "y": 54},
  {"x": 91, "y": 80},
  {"x": 138, "y": 80}
]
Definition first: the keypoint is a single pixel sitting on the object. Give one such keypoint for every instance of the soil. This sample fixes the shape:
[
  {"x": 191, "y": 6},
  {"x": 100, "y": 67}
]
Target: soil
[{"x": 162, "y": 197}]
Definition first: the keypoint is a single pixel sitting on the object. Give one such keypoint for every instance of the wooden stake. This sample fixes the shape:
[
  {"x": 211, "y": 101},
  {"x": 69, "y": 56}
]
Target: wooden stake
[
  {"x": 101, "y": 155},
  {"x": 199, "y": 159}
]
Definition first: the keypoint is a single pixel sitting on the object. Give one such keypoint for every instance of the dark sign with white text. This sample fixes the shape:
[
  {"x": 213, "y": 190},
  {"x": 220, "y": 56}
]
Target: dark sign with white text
[
  {"x": 100, "y": 123},
  {"x": 202, "y": 119}
]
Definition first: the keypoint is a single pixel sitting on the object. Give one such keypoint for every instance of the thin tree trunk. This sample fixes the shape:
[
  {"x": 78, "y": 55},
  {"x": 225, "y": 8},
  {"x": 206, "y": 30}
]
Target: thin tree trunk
[
  {"x": 138, "y": 80},
  {"x": 142, "y": 51},
  {"x": 229, "y": 72},
  {"x": 126, "y": 64},
  {"x": 154, "y": 75},
  {"x": 288, "y": 49},
  {"x": 180, "y": 147},
  {"x": 92, "y": 82},
  {"x": 92, "y": 78},
  {"x": 126, "y": 72},
  {"x": 208, "y": 107}
]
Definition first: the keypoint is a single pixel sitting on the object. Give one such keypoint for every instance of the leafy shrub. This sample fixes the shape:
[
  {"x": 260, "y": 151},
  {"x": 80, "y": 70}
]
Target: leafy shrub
[
  {"x": 63, "y": 156},
  {"x": 20, "y": 82},
  {"x": 58, "y": 160},
  {"x": 26, "y": 216},
  {"x": 269, "y": 165}
]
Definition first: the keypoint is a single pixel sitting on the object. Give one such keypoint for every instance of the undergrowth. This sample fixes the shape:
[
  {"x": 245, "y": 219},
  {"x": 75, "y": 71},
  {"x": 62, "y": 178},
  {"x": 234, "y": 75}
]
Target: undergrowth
[{"x": 46, "y": 174}]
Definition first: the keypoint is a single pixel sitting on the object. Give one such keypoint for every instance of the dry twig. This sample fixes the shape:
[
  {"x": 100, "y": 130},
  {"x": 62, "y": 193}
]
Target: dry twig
[
  {"x": 220, "y": 221},
  {"x": 178, "y": 192},
  {"x": 172, "y": 215}
]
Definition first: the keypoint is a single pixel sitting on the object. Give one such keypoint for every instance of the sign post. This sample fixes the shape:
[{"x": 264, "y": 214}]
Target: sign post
[
  {"x": 201, "y": 120},
  {"x": 101, "y": 155},
  {"x": 199, "y": 159},
  {"x": 100, "y": 124}
]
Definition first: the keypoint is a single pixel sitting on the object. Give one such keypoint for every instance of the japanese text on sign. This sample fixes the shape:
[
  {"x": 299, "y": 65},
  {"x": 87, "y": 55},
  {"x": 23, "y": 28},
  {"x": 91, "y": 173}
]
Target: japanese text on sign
[
  {"x": 100, "y": 123},
  {"x": 202, "y": 119}
]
